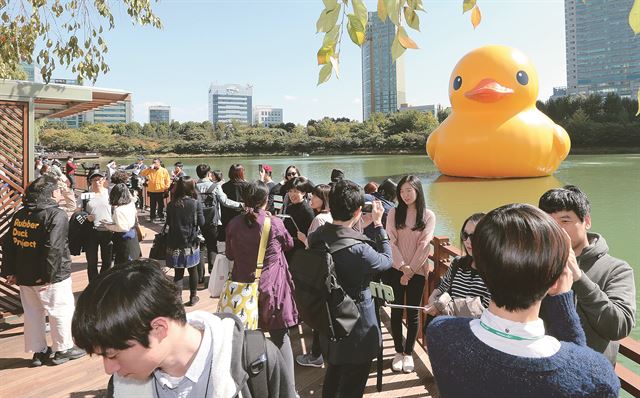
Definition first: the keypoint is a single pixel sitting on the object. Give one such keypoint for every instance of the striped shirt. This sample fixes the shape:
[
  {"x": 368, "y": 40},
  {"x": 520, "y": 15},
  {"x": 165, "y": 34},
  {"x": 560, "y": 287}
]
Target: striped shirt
[{"x": 467, "y": 283}]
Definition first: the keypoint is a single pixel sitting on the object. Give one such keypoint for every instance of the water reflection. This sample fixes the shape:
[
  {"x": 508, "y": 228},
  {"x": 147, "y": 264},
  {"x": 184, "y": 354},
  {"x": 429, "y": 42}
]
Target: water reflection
[{"x": 453, "y": 198}]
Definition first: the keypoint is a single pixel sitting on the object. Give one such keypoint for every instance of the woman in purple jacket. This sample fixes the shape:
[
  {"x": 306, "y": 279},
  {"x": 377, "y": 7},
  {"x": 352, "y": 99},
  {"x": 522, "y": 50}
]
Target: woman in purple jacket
[{"x": 276, "y": 306}]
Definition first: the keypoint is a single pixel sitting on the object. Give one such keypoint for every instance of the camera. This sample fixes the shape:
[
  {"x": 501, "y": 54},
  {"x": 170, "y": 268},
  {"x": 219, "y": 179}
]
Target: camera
[{"x": 368, "y": 207}]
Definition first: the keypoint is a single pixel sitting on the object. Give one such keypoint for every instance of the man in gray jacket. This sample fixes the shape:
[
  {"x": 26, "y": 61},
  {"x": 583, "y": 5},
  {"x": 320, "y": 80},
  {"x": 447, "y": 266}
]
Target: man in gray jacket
[{"x": 604, "y": 285}]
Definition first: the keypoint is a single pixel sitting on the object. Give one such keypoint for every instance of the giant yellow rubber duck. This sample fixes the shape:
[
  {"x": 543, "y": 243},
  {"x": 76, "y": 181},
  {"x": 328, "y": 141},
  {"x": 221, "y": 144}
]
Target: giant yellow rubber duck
[{"x": 494, "y": 129}]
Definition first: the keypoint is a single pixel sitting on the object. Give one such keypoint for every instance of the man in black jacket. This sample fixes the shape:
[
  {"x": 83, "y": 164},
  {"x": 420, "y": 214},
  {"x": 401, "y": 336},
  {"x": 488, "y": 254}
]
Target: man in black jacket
[{"x": 36, "y": 257}]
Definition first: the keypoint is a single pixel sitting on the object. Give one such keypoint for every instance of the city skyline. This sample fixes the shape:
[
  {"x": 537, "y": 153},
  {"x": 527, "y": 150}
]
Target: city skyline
[{"x": 281, "y": 64}]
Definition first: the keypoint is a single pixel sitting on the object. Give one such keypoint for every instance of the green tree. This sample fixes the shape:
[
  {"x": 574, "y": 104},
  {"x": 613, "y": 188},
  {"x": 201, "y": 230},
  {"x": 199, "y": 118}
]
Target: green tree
[{"x": 69, "y": 33}]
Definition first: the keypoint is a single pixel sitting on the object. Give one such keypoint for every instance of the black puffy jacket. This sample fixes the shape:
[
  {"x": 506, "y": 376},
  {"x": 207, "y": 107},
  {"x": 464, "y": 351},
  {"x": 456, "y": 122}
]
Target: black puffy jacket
[{"x": 36, "y": 249}]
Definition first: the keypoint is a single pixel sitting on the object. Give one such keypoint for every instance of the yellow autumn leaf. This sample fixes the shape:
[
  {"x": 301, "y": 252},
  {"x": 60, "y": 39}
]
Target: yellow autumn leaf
[
  {"x": 355, "y": 29},
  {"x": 404, "y": 39},
  {"x": 393, "y": 8},
  {"x": 396, "y": 48},
  {"x": 325, "y": 73},
  {"x": 476, "y": 16},
  {"x": 361, "y": 11},
  {"x": 412, "y": 18},
  {"x": 638, "y": 113},
  {"x": 634, "y": 17},
  {"x": 324, "y": 54},
  {"x": 382, "y": 11},
  {"x": 467, "y": 5}
]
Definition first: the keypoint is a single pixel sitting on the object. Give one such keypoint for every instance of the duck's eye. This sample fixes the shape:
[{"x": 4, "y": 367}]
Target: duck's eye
[
  {"x": 457, "y": 83},
  {"x": 522, "y": 77}
]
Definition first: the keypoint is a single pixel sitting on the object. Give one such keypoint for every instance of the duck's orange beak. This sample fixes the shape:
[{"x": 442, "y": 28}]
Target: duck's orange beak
[{"x": 488, "y": 90}]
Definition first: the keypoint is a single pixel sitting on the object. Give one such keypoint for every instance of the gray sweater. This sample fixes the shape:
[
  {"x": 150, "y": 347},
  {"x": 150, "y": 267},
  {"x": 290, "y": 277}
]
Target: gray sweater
[{"x": 606, "y": 297}]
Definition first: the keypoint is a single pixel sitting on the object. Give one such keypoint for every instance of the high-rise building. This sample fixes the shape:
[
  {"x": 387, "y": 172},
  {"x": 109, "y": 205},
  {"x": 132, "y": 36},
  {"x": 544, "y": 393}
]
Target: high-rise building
[
  {"x": 159, "y": 114},
  {"x": 382, "y": 78},
  {"x": 230, "y": 102},
  {"x": 603, "y": 54},
  {"x": 120, "y": 112},
  {"x": 266, "y": 115}
]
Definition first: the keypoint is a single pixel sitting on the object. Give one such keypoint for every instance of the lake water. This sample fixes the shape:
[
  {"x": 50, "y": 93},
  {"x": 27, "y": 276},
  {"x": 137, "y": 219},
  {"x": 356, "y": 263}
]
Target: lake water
[{"x": 612, "y": 183}]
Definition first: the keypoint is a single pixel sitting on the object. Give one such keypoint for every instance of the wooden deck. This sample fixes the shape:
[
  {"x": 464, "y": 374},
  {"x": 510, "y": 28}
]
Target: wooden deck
[{"x": 85, "y": 377}]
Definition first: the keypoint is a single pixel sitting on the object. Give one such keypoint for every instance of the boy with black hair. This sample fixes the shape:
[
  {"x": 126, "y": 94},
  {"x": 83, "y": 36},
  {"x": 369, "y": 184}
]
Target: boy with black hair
[
  {"x": 349, "y": 359},
  {"x": 522, "y": 256},
  {"x": 134, "y": 318},
  {"x": 604, "y": 286}
]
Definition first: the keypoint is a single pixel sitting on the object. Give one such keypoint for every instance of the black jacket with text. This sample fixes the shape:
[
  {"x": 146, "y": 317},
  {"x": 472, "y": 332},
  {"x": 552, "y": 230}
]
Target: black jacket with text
[{"x": 36, "y": 249}]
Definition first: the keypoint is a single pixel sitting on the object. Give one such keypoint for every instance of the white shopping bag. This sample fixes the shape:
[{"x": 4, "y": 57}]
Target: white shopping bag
[{"x": 219, "y": 274}]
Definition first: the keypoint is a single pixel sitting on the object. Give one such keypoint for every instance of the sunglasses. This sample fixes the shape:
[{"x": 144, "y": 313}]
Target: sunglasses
[
  {"x": 292, "y": 174},
  {"x": 466, "y": 235}
]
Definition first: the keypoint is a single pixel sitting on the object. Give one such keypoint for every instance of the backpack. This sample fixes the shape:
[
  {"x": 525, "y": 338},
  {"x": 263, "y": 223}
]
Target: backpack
[
  {"x": 210, "y": 206},
  {"x": 255, "y": 363},
  {"x": 322, "y": 302}
]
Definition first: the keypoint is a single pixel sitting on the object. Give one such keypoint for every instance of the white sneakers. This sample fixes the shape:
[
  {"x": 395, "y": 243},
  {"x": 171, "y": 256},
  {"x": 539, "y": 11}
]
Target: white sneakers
[
  {"x": 407, "y": 364},
  {"x": 396, "y": 364},
  {"x": 402, "y": 363}
]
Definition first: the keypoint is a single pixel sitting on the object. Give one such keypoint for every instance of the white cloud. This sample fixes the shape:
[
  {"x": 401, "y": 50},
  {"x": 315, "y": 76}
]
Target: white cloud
[{"x": 290, "y": 97}]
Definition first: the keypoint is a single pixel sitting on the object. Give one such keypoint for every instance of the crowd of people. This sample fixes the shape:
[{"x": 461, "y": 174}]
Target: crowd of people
[{"x": 534, "y": 306}]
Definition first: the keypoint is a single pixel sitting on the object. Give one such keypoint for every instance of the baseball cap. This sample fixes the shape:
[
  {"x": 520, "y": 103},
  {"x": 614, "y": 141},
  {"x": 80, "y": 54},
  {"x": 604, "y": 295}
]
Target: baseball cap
[
  {"x": 94, "y": 173},
  {"x": 267, "y": 168}
]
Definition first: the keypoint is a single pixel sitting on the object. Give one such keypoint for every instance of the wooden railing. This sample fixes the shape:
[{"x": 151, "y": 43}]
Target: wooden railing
[{"x": 441, "y": 256}]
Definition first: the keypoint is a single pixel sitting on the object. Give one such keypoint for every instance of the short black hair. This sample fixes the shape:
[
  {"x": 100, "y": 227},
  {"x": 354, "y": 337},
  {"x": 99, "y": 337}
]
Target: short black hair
[
  {"x": 301, "y": 184},
  {"x": 345, "y": 198},
  {"x": 41, "y": 189},
  {"x": 120, "y": 305},
  {"x": 178, "y": 164},
  {"x": 520, "y": 252},
  {"x": 568, "y": 198},
  {"x": 388, "y": 190},
  {"x": 202, "y": 170},
  {"x": 120, "y": 195}
]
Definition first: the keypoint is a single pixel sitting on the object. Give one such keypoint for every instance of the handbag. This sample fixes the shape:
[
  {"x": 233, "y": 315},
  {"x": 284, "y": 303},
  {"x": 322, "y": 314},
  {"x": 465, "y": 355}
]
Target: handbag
[
  {"x": 241, "y": 299},
  {"x": 218, "y": 275},
  {"x": 141, "y": 231},
  {"x": 159, "y": 247}
]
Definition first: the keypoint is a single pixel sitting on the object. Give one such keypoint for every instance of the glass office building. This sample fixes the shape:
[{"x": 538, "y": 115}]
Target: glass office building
[
  {"x": 603, "y": 54},
  {"x": 382, "y": 79},
  {"x": 230, "y": 102},
  {"x": 159, "y": 114}
]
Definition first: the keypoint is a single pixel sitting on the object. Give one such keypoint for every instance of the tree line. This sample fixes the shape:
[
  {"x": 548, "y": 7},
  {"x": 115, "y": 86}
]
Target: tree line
[{"x": 593, "y": 122}]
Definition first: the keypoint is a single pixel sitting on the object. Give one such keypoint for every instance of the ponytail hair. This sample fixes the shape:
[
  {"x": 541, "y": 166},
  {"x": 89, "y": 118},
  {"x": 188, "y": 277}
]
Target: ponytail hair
[{"x": 254, "y": 195}]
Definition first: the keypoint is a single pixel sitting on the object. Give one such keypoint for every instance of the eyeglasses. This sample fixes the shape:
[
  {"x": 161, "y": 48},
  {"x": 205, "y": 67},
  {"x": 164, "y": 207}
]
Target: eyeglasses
[{"x": 466, "y": 235}]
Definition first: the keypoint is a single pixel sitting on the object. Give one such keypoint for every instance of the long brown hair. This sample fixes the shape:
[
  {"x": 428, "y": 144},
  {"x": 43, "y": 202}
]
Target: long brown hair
[{"x": 185, "y": 188}]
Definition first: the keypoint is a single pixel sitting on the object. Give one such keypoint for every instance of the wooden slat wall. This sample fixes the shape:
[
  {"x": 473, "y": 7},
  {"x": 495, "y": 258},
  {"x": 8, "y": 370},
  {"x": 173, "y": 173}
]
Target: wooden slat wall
[{"x": 14, "y": 164}]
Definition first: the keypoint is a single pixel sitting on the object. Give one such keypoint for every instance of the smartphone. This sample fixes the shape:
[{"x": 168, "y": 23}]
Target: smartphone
[
  {"x": 288, "y": 219},
  {"x": 260, "y": 168},
  {"x": 382, "y": 291},
  {"x": 368, "y": 207}
]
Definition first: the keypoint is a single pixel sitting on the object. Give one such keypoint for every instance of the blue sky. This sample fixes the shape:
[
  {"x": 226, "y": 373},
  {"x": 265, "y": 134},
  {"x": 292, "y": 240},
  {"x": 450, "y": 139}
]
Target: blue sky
[{"x": 272, "y": 44}]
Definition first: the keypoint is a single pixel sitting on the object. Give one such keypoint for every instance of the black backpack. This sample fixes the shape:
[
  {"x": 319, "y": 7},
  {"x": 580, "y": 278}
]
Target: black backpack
[
  {"x": 210, "y": 206},
  {"x": 322, "y": 302}
]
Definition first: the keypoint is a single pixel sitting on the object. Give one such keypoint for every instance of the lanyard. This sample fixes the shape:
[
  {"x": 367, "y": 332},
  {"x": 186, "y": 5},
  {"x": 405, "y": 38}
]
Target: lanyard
[{"x": 507, "y": 335}]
